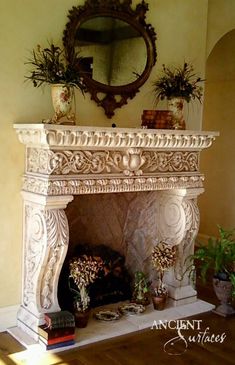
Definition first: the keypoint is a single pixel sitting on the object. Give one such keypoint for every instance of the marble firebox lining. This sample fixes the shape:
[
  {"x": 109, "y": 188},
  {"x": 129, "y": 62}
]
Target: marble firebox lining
[{"x": 124, "y": 222}]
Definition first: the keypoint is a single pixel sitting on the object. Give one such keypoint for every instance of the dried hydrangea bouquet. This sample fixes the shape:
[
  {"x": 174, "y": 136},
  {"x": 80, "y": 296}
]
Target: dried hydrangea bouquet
[{"x": 84, "y": 270}]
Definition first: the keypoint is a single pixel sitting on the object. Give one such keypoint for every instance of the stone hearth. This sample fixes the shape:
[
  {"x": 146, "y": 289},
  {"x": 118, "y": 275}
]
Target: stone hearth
[{"x": 65, "y": 161}]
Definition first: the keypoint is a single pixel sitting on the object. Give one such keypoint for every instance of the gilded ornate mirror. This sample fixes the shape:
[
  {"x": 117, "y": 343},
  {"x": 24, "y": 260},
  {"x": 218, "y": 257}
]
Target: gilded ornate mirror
[{"x": 117, "y": 47}]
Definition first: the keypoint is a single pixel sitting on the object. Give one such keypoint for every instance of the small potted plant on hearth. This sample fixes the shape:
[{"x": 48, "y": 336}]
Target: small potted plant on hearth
[
  {"x": 141, "y": 289},
  {"x": 50, "y": 66},
  {"x": 84, "y": 270},
  {"x": 163, "y": 258},
  {"x": 218, "y": 256},
  {"x": 177, "y": 84}
]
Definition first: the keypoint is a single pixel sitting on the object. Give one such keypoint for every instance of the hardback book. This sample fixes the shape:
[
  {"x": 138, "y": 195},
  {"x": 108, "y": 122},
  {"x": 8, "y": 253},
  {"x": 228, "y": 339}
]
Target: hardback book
[
  {"x": 59, "y": 319},
  {"x": 50, "y": 333},
  {"x": 56, "y": 345},
  {"x": 53, "y": 341}
]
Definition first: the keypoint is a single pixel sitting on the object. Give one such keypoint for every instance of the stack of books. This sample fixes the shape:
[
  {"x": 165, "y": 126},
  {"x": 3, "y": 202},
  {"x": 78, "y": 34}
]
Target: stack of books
[
  {"x": 58, "y": 330},
  {"x": 157, "y": 119}
]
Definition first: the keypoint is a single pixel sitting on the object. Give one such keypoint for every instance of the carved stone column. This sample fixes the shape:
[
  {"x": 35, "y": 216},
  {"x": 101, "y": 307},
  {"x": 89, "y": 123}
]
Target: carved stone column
[
  {"x": 46, "y": 237},
  {"x": 178, "y": 225}
]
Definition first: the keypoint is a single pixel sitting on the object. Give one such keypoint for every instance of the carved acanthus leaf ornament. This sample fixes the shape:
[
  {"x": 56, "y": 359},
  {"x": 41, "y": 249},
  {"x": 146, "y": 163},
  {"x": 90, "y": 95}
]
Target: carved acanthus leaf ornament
[{"x": 47, "y": 240}]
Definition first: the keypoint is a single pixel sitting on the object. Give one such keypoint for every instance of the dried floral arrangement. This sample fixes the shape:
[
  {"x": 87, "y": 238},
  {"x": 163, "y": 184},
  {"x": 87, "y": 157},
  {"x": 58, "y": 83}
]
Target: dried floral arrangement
[
  {"x": 84, "y": 270},
  {"x": 163, "y": 258},
  {"x": 50, "y": 66},
  {"x": 178, "y": 82}
]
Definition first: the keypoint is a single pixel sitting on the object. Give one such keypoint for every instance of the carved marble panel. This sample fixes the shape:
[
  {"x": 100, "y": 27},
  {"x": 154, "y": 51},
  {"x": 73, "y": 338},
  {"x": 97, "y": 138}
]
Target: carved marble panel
[
  {"x": 129, "y": 162},
  {"x": 141, "y": 232}
]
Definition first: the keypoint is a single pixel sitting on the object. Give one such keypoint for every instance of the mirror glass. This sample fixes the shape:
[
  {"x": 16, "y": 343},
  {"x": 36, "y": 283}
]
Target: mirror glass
[{"x": 114, "y": 53}]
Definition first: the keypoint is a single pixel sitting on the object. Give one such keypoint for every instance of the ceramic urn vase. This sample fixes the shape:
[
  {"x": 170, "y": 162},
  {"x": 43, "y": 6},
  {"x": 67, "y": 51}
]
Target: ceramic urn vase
[
  {"x": 175, "y": 106},
  {"x": 223, "y": 291},
  {"x": 62, "y": 97}
]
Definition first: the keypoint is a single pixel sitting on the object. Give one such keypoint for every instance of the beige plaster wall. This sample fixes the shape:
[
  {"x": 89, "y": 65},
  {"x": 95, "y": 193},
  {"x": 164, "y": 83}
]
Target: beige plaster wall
[
  {"x": 181, "y": 27},
  {"x": 221, "y": 20},
  {"x": 216, "y": 205}
]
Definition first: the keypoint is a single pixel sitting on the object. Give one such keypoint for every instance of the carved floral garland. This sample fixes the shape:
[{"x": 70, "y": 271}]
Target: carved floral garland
[{"x": 131, "y": 162}]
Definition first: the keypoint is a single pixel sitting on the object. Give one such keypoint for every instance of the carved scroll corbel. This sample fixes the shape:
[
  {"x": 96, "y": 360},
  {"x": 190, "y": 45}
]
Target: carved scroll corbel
[
  {"x": 180, "y": 208},
  {"x": 46, "y": 244},
  {"x": 186, "y": 248},
  {"x": 57, "y": 232}
]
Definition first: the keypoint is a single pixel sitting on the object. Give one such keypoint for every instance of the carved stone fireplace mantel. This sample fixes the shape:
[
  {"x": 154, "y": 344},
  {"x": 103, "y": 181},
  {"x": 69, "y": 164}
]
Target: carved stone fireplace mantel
[
  {"x": 64, "y": 161},
  {"x": 73, "y": 160}
]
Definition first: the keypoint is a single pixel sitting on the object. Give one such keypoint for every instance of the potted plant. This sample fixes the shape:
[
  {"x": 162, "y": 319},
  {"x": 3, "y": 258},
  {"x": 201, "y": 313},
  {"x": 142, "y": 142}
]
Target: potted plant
[
  {"x": 163, "y": 258},
  {"x": 219, "y": 256},
  {"x": 141, "y": 289},
  {"x": 159, "y": 296},
  {"x": 84, "y": 270},
  {"x": 50, "y": 66},
  {"x": 177, "y": 84}
]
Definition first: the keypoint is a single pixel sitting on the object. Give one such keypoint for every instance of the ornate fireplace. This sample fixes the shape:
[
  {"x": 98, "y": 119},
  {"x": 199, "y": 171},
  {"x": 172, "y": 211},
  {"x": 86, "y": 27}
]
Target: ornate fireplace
[{"x": 64, "y": 161}]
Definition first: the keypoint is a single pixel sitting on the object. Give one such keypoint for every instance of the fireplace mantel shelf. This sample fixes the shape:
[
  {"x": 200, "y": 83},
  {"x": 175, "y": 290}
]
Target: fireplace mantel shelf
[
  {"x": 99, "y": 137},
  {"x": 71, "y": 160}
]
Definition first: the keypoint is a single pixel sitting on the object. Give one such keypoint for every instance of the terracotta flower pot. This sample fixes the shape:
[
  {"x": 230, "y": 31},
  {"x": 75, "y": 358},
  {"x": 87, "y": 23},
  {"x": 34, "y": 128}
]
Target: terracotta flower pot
[
  {"x": 159, "y": 302},
  {"x": 81, "y": 318}
]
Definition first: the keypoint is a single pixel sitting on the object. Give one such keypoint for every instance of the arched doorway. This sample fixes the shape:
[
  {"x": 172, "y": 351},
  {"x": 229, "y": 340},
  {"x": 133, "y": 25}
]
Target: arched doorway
[{"x": 217, "y": 204}]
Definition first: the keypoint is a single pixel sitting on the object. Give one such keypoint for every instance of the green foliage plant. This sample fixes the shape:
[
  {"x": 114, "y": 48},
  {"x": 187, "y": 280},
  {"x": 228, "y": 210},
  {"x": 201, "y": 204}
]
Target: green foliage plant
[
  {"x": 218, "y": 255},
  {"x": 141, "y": 286}
]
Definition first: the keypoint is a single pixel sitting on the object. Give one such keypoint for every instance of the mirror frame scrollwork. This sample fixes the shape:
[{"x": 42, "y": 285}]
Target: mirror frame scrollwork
[{"x": 113, "y": 97}]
